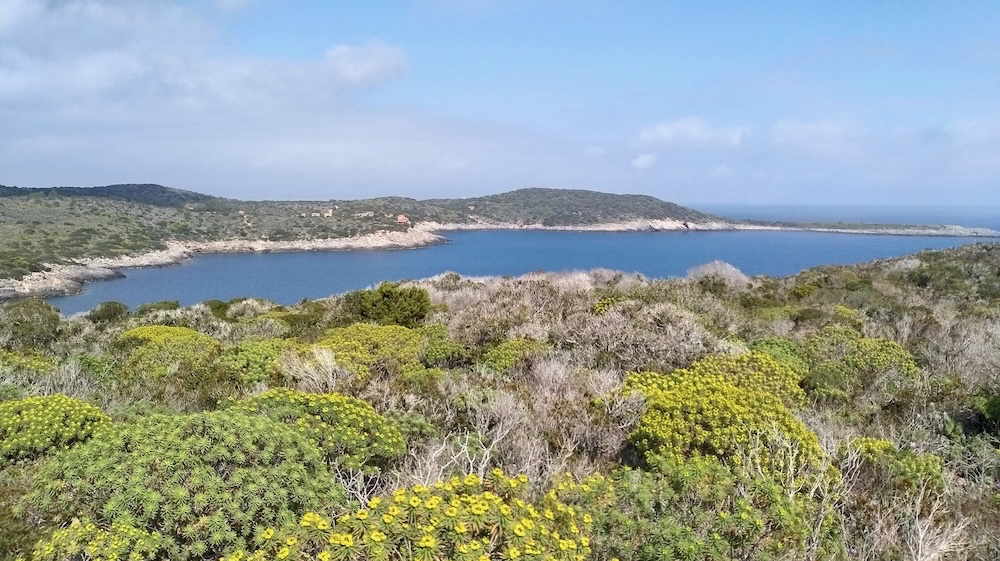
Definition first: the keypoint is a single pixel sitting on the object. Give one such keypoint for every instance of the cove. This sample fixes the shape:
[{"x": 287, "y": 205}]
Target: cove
[{"x": 287, "y": 278}]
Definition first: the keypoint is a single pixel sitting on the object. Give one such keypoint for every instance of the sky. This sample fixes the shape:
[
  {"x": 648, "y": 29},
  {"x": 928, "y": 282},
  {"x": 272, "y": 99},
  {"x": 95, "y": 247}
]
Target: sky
[{"x": 879, "y": 102}]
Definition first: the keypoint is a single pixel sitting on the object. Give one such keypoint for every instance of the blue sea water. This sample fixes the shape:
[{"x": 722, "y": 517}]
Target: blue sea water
[{"x": 287, "y": 278}]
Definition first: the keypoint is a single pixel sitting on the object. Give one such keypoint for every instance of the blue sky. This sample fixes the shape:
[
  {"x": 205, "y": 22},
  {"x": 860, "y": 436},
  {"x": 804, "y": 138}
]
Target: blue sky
[{"x": 863, "y": 102}]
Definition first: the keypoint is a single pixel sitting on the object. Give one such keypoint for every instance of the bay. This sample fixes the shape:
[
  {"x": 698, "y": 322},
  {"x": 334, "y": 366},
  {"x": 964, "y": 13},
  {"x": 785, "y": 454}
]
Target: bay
[{"x": 287, "y": 278}]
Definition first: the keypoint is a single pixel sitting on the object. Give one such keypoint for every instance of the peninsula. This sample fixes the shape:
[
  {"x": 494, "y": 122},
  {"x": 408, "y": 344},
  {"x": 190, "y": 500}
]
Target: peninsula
[{"x": 55, "y": 239}]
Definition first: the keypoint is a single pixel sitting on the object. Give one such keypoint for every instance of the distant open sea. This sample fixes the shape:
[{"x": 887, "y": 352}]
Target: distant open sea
[{"x": 287, "y": 278}]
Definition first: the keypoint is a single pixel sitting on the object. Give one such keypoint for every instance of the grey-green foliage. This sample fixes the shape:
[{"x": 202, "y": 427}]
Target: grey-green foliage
[
  {"x": 29, "y": 323},
  {"x": 206, "y": 480},
  {"x": 390, "y": 304}
]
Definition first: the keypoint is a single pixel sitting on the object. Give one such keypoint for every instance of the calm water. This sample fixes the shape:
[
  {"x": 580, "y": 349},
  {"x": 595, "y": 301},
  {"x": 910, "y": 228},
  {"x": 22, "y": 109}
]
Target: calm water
[{"x": 287, "y": 278}]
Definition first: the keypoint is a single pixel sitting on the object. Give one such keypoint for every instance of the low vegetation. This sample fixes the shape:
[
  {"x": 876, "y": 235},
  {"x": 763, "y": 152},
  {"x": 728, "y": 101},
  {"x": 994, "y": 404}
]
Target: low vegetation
[{"x": 847, "y": 412}]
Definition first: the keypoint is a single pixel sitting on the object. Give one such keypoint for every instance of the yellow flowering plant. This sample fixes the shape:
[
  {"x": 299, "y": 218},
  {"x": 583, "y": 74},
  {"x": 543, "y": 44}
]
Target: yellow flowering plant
[
  {"x": 348, "y": 431},
  {"x": 34, "y": 426},
  {"x": 461, "y": 519}
]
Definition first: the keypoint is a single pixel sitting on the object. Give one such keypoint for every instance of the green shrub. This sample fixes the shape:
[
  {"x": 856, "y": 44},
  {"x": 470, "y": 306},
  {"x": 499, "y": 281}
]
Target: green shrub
[
  {"x": 163, "y": 305},
  {"x": 391, "y": 350},
  {"x": 205, "y": 481},
  {"x": 987, "y": 410},
  {"x": 700, "y": 509},
  {"x": 108, "y": 312},
  {"x": 348, "y": 431},
  {"x": 844, "y": 363},
  {"x": 31, "y": 323},
  {"x": 82, "y": 541},
  {"x": 158, "y": 352},
  {"x": 511, "y": 353},
  {"x": 464, "y": 519},
  {"x": 717, "y": 406},
  {"x": 252, "y": 362},
  {"x": 903, "y": 469},
  {"x": 34, "y": 426},
  {"x": 784, "y": 351},
  {"x": 389, "y": 304},
  {"x": 31, "y": 361}
]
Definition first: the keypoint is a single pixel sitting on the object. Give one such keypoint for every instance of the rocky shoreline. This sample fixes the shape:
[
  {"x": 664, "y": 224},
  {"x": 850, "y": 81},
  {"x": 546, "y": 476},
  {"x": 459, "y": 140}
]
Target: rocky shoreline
[{"x": 62, "y": 279}]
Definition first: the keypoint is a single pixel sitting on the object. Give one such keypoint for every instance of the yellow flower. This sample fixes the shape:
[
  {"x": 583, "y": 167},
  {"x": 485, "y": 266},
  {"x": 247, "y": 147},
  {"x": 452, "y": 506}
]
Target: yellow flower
[
  {"x": 460, "y": 528},
  {"x": 291, "y": 541},
  {"x": 324, "y": 556},
  {"x": 427, "y": 542},
  {"x": 471, "y": 480},
  {"x": 377, "y": 536},
  {"x": 415, "y": 502},
  {"x": 373, "y": 504},
  {"x": 283, "y": 552},
  {"x": 388, "y": 518},
  {"x": 267, "y": 534},
  {"x": 513, "y": 553},
  {"x": 520, "y": 530},
  {"x": 361, "y": 514}
]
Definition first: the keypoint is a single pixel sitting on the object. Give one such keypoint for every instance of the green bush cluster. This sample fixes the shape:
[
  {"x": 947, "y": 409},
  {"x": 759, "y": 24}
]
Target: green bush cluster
[
  {"x": 159, "y": 352},
  {"x": 389, "y": 304},
  {"x": 700, "y": 509},
  {"x": 907, "y": 470},
  {"x": 713, "y": 408},
  {"x": 34, "y": 426},
  {"x": 348, "y": 431},
  {"x": 31, "y": 323},
  {"x": 512, "y": 353},
  {"x": 85, "y": 540},
  {"x": 25, "y": 362},
  {"x": 108, "y": 312},
  {"x": 205, "y": 481},
  {"x": 843, "y": 362},
  {"x": 252, "y": 362},
  {"x": 392, "y": 350},
  {"x": 461, "y": 519}
]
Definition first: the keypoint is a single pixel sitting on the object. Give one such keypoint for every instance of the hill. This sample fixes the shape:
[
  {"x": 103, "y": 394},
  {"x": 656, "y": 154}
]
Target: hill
[{"x": 61, "y": 224}]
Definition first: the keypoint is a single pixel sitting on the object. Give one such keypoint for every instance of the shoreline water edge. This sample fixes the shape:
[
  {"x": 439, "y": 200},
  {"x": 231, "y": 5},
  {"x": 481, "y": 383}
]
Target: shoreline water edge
[{"x": 68, "y": 278}]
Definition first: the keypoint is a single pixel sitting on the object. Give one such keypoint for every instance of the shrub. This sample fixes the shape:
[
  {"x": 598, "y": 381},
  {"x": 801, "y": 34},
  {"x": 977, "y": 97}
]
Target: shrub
[
  {"x": 511, "y": 353},
  {"x": 785, "y": 352},
  {"x": 33, "y": 362},
  {"x": 902, "y": 469},
  {"x": 31, "y": 323},
  {"x": 367, "y": 349},
  {"x": 716, "y": 407},
  {"x": 464, "y": 519},
  {"x": 205, "y": 481},
  {"x": 159, "y": 351},
  {"x": 85, "y": 540},
  {"x": 389, "y": 304},
  {"x": 34, "y": 426},
  {"x": 700, "y": 509},
  {"x": 844, "y": 363},
  {"x": 348, "y": 431},
  {"x": 108, "y": 312},
  {"x": 163, "y": 305},
  {"x": 252, "y": 362}
]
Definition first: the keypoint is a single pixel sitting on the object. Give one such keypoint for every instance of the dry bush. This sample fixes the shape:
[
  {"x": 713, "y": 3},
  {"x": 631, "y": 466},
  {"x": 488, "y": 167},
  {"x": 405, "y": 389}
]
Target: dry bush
[
  {"x": 728, "y": 275},
  {"x": 249, "y": 308},
  {"x": 317, "y": 372}
]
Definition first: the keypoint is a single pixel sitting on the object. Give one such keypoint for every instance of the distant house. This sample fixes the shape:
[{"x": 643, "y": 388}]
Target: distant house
[
  {"x": 471, "y": 207},
  {"x": 364, "y": 214},
  {"x": 328, "y": 213},
  {"x": 315, "y": 214},
  {"x": 402, "y": 219}
]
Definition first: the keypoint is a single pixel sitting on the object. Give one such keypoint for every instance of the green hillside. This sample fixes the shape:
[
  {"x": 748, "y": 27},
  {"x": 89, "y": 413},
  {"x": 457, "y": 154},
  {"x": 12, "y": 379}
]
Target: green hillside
[{"x": 58, "y": 224}]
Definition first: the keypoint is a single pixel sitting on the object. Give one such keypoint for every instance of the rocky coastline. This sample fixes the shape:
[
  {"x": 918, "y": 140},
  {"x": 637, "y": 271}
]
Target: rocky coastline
[{"x": 62, "y": 279}]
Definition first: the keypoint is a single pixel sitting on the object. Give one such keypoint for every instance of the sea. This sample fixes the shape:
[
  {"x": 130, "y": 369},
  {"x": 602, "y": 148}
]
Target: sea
[{"x": 288, "y": 278}]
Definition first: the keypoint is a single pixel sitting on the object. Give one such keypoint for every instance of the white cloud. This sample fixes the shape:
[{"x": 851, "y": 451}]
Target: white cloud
[
  {"x": 692, "y": 131},
  {"x": 644, "y": 161},
  {"x": 826, "y": 139}
]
